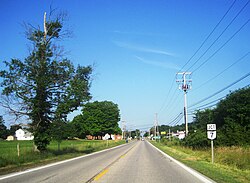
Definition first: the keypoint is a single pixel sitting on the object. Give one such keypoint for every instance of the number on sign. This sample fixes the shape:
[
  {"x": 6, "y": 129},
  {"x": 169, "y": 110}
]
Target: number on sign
[{"x": 211, "y": 135}]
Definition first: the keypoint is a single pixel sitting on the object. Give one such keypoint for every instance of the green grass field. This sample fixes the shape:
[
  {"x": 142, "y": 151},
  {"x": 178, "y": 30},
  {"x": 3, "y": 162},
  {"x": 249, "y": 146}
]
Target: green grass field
[
  {"x": 10, "y": 161},
  {"x": 232, "y": 164}
]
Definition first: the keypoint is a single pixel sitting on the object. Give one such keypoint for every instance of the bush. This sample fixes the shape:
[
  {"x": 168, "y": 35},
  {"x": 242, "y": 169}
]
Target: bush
[{"x": 196, "y": 139}]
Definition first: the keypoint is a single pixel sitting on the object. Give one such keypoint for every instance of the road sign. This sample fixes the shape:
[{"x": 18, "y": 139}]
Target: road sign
[
  {"x": 211, "y": 127},
  {"x": 211, "y": 135},
  {"x": 163, "y": 133},
  {"x": 157, "y": 137}
]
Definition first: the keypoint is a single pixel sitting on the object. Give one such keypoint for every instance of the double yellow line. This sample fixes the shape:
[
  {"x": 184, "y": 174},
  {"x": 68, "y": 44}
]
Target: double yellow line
[{"x": 102, "y": 173}]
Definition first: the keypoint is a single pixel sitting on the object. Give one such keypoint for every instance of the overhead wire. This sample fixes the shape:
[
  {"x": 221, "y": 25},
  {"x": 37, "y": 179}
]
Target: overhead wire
[
  {"x": 177, "y": 121},
  {"x": 180, "y": 115},
  {"x": 165, "y": 101},
  {"x": 230, "y": 23},
  {"x": 238, "y": 80},
  {"x": 217, "y": 100},
  {"x": 241, "y": 58},
  {"x": 209, "y": 103},
  {"x": 222, "y": 46},
  {"x": 216, "y": 26}
]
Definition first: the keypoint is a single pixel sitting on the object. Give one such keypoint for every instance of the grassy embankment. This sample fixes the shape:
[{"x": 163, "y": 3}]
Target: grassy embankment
[
  {"x": 232, "y": 164},
  {"x": 10, "y": 162}
]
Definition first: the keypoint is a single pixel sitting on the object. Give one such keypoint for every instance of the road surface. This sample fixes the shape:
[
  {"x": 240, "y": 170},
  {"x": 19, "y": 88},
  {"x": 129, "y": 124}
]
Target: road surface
[{"x": 135, "y": 162}]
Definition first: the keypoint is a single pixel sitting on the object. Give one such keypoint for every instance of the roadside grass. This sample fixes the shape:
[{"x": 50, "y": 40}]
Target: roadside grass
[
  {"x": 232, "y": 164},
  {"x": 10, "y": 162}
]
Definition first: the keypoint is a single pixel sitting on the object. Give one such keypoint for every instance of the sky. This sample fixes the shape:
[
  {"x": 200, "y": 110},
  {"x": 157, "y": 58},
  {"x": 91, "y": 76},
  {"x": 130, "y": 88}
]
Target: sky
[{"x": 138, "y": 46}]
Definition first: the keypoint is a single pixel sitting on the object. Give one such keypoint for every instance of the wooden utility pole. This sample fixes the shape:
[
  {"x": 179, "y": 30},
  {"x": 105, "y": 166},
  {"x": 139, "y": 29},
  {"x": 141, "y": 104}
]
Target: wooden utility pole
[{"x": 184, "y": 81}]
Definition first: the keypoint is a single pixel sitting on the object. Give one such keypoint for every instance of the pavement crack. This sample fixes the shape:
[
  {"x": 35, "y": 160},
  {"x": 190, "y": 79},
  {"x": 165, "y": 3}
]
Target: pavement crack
[{"x": 47, "y": 178}]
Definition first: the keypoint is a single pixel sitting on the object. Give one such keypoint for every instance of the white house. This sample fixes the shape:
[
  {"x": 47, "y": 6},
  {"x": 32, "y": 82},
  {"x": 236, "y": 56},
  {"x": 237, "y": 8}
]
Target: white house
[
  {"x": 22, "y": 134},
  {"x": 107, "y": 136},
  {"x": 180, "y": 135}
]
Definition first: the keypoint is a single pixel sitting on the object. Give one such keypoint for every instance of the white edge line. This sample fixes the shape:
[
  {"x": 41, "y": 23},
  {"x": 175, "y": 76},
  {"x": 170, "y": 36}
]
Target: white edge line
[
  {"x": 190, "y": 170},
  {"x": 57, "y": 163}
]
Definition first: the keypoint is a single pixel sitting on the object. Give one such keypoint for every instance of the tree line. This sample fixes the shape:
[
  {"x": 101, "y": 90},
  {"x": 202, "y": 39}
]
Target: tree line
[{"x": 97, "y": 119}]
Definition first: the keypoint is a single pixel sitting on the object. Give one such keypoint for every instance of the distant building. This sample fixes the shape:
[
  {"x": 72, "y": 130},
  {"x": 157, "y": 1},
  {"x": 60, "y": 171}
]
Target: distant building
[
  {"x": 113, "y": 137},
  {"x": 107, "y": 137},
  {"x": 22, "y": 134},
  {"x": 180, "y": 134},
  {"x": 10, "y": 138}
]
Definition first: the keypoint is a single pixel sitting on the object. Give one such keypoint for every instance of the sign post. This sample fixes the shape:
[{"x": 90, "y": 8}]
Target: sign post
[{"x": 211, "y": 134}]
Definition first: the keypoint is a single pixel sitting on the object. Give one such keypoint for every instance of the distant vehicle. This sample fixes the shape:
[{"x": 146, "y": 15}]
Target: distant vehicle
[{"x": 142, "y": 139}]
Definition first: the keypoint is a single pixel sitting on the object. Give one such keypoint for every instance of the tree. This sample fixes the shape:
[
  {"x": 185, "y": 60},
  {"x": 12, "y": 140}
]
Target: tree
[
  {"x": 98, "y": 118},
  {"x": 136, "y": 133},
  {"x": 3, "y": 129},
  {"x": 59, "y": 131},
  {"x": 14, "y": 128},
  {"x": 79, "y": 127},
  {"x": 45, "y": 86},
  {"x": 232, "y": 117}
]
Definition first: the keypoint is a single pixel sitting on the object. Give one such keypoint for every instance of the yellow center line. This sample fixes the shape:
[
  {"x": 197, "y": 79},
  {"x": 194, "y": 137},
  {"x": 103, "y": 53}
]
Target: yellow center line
[
  {"x": 101, "y": 174},
  {"x": 122, "y": 156}
]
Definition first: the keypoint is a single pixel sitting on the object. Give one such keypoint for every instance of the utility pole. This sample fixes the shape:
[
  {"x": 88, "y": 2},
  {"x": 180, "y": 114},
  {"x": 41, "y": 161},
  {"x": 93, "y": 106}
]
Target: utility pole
[
  {"x": 184, "y": 81},
  {"x": 156, "y": 126},
  {"x": 123, "y": 129},
  {"x": 169, "y": 138}
]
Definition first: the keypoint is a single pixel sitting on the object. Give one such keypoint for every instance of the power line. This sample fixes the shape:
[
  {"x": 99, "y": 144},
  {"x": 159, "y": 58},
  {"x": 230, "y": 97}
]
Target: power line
[
  {"x": 210, "y": 102},
  {"x": 219, "y": 99},
  {"x": 220, "y": 34},
  {"x": 165, "y": 101},
  {"x": 238, "y": 80},
  {"x": 177, "y": 121},
  {"x": 222, "y": 45},
  {"x": 205, "y": 107},
  {"x": 208, "y": 35},
  {"x": 178, "y": 116},
  {"x": 222, "y": 71}
]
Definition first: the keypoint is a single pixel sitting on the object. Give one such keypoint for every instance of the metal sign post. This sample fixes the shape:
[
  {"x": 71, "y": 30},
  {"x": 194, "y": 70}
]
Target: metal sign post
[{"x": 211, "y": 134}]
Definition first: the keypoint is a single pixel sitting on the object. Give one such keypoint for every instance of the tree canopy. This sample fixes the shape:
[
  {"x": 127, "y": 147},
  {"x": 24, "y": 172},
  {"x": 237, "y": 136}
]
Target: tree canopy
[{"x": 97, "y": 119}]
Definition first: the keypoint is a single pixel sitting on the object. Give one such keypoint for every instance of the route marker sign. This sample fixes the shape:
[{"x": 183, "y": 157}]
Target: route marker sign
[
  {"x": 211, "y": 134},
  {"x": 211, "y": 127}
]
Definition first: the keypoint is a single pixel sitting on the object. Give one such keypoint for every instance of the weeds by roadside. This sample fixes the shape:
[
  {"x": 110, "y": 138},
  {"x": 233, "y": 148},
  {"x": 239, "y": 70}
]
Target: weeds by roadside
[{"x": 231, "y": 163}]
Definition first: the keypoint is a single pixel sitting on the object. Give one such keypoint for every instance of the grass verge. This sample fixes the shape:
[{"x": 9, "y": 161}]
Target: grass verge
[{"x": 199, "y": 160}]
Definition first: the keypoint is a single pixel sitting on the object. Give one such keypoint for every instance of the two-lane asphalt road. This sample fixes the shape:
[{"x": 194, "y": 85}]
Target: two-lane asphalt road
[{"x": 135, "y": 162}]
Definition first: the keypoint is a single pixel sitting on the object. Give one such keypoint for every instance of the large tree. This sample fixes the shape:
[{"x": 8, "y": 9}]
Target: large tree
[
  {"x": 98, "y": 118},
  {"x": 45, "y": 86}
]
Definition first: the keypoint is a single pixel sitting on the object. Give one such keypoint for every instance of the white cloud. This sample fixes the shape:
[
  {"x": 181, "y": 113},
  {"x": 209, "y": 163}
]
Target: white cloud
[
  {"x": 166, "y": 65},
  {"x": 142, "y": 49}
]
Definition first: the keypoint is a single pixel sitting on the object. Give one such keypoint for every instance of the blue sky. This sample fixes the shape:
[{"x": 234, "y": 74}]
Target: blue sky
[{"x": 138, "y": 46}]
